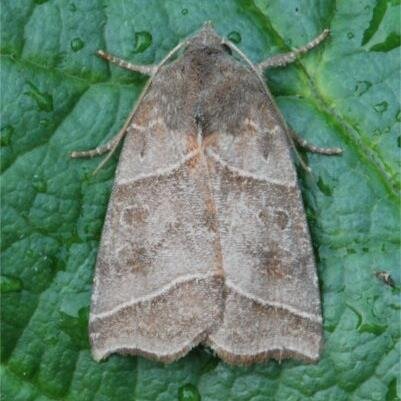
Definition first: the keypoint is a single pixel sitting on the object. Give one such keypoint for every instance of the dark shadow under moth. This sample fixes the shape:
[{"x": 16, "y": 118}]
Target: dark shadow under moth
[{"x": 205, "y": 238}]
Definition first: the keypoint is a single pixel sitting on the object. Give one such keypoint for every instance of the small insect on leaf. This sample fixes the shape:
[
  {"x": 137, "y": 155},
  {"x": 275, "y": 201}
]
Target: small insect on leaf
[{"x": 386, "y": 278}]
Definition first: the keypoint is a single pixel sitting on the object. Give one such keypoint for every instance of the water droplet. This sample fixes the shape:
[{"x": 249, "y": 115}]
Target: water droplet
[
  {"x": 399, "y": 141},
  {"x": 361, "y": 87},
  {"x": 188, "y": 392},
  {"x": 142, "y": 41},
  {"x": 39, "y": 184},
  {"x": 324, "y": 188},
  {"x": 398, "y": 116},
  {"x": 43, "y": 100},
  {"x": 350, "y": 35},
  {"x": 10, "y": 284},
  {"x": 234, "y": 36},
  {"x": 72, "y": 7},
  {"x": 77, "y": 44},
  {"x": 381, "y": 107},
  {"x": 5, "y": 135},
  {"x": 184, "y": 11}
]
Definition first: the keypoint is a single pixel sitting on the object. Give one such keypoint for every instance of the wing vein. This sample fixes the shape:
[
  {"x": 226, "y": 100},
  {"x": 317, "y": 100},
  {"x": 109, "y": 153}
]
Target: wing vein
[
  {"x": 146, "y": 298},
  {"x": 165, "y": 171},
  {"x": 291, "y": 309},
  {"x": 243, "y": 173},
  {"x": 270, "y": 349}
]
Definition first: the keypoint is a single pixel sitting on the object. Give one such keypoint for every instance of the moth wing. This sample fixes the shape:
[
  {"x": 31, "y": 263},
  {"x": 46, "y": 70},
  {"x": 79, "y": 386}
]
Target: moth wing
[
  {"x": 272, "y": 302},
  {"x": 159, "y": 280}
]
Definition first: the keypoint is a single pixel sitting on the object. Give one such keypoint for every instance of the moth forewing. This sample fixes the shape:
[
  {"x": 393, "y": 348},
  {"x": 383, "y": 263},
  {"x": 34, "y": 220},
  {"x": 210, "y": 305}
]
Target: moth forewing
[{"x": 205, "y": 238}]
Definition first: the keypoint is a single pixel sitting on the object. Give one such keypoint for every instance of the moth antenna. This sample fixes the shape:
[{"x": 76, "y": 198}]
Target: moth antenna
[
  {"x": 283, "y": 59},
  {"x": 143, "y": 69},
  {"x": 171, "y": 52}
]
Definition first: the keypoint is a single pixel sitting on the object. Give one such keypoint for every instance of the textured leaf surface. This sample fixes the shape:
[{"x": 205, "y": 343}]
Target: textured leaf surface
[{"x": 57, "y": 96}]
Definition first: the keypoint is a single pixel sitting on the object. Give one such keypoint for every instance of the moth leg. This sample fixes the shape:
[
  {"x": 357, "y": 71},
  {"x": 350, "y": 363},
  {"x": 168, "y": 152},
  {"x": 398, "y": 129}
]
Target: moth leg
[
  {"x": 143, "y": 69},
  {"x": 281, "y": 60},
  {"x": 312, "y": 148},
  {"x": 98, "y": 151},
  {"x": 108, "y": 147}
]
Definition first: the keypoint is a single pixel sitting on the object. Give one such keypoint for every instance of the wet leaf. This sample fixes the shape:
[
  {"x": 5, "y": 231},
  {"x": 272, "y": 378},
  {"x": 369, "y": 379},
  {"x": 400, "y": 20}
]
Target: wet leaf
[{"x": 57, "y": 96}]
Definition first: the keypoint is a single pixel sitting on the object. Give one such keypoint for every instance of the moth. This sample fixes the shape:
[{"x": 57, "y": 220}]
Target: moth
[{"x": 205, "y": 240}]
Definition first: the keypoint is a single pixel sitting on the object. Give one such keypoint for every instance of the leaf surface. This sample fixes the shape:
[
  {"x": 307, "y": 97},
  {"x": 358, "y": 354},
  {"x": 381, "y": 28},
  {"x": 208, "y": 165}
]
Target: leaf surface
[{"x": 57, "y": 96}]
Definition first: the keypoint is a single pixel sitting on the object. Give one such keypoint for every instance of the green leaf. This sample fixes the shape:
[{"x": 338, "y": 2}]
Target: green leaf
[{"x": 57, "y": 96}]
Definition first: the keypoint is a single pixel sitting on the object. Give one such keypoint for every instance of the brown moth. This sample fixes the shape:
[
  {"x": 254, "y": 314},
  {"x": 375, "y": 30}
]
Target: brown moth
[{"x": 205, "y": 238}]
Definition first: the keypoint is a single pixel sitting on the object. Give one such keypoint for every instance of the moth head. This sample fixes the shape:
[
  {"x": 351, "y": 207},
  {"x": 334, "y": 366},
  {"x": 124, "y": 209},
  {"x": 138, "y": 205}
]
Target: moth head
[{"x": 206, "y": 37}]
